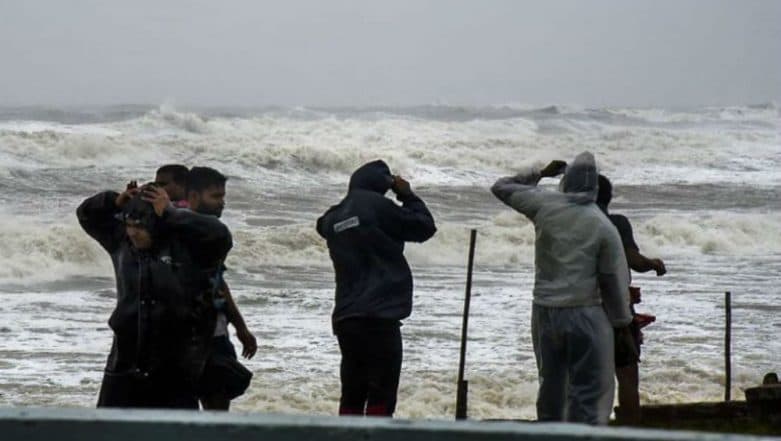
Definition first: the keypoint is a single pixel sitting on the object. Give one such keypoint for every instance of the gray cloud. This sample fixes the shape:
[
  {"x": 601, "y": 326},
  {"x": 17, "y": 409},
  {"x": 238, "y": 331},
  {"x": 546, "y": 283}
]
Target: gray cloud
[{"x": 338, "y": 52}]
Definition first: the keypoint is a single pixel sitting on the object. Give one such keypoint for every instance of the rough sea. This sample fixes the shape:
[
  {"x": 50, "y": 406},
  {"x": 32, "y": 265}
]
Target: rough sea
[{"x": 700, "y": 186}]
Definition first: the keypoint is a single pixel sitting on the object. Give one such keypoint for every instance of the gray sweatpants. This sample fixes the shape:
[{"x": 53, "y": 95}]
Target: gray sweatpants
[{"x": 574, "y": 352}]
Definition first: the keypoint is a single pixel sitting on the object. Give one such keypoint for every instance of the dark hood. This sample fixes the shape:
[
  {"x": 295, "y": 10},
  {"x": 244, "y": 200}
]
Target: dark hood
[
  {"x": 142, "y": 212},
  {"x": 373, "y": 176}
]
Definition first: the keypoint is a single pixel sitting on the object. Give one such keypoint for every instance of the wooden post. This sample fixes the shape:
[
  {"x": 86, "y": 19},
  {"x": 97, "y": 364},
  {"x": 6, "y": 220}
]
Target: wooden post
[
  {"x": 728, "y": 346},
  {"x": 463, "y": 385}
]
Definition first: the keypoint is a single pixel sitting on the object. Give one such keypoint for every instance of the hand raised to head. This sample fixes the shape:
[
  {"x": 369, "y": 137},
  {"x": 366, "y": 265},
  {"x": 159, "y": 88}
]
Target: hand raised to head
[
  {"x": 131, "y": 189},
  {"x": 555, "y": 168},
  {"x": 400, "y": 186},
  {"x": 157, "y": 197}
]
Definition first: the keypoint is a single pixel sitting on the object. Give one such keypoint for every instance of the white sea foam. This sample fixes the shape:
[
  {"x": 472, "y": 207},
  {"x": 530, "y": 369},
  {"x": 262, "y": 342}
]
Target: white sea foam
[
  {"x": 34, "y": 252},
  {"x": 698, "y": 186},
  {"x": 39, "y": 252},
  {"x": 431, "y": 151},
  {"x": 509, "y": 240}
]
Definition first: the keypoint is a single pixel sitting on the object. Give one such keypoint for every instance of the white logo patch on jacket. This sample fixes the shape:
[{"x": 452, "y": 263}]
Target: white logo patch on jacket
[{"x": 347, "y": 224}]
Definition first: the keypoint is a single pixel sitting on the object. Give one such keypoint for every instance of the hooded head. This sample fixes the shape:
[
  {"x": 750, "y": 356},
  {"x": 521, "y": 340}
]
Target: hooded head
[
  {"x": 140, "y": 222},
  {"x": 373, "y": 176},
  {"x": 580, "y": 179}
]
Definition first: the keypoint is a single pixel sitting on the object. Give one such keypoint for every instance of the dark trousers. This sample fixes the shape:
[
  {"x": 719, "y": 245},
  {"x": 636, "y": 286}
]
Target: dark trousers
[
  {"x": 371, "y": 365},
  {"x": 154, "y": 391}
]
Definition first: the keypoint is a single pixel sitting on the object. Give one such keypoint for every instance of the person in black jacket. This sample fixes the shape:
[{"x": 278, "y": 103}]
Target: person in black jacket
[
  {"x": 224, "y": 377},
  {"x": 164, "y": 263},
  {"x": 366, "y": 234}
]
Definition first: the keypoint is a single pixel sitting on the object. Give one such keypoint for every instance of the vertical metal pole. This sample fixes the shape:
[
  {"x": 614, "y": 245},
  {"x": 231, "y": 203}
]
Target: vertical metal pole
[
  {"x": 463, "y": 385},
  {"x": 728, "y": 345}
]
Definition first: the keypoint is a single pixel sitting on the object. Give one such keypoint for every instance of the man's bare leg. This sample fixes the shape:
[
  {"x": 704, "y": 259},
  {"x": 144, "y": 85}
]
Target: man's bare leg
[{"x": 628, "y": 394}]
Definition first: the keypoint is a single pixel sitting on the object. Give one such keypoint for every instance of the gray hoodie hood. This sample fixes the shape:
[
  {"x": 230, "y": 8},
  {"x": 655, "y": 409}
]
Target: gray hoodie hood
[{"x": 580, "y": 181}]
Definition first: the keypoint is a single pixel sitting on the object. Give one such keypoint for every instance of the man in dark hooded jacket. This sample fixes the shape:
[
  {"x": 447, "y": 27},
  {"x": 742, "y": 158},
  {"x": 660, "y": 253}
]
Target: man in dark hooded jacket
[
  {"x": 366, "y": 234},
  {"x": 164, "y": 263}
]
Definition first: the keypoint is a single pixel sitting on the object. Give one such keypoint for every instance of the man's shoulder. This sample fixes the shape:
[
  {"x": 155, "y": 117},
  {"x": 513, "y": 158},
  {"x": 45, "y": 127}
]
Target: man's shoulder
[
  {"x": 549, "y": 201},
  {"x": 624, "y": 228},
  {"x": 617, "y": 218},
  {"x": 620, "y": 221}
]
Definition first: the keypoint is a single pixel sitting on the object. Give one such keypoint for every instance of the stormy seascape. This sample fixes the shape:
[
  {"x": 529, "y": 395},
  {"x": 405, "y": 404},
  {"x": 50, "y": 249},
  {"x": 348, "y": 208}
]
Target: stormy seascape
[{"x": 700, "y": 185}]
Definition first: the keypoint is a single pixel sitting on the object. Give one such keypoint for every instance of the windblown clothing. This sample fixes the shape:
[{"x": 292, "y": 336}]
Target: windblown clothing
[
  {"x": 164, "y": 318},
  {"x": 580, "y": 291},
  {"x": 366, "y": 233}
]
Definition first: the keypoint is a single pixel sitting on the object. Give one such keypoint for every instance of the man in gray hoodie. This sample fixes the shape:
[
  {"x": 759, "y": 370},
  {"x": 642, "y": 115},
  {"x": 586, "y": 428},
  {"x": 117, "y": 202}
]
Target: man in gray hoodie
[{"x": 580, "y": 289}]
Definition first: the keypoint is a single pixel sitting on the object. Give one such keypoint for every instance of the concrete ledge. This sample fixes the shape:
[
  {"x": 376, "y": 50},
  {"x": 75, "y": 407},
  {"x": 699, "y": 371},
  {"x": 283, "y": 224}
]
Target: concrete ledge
[{"x": 33, "y": 424}]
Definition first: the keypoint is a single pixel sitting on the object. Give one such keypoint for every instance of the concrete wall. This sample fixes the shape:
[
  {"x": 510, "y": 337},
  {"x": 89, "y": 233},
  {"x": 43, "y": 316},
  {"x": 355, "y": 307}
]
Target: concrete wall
[{"x": 23, "y": 424}]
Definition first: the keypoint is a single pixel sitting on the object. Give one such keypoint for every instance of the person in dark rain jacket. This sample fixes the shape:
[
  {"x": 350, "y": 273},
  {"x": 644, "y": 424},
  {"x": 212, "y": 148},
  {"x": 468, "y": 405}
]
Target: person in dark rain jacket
[
  {"x": 366, "y": 233},
  {"x": 164, "y": 262}
]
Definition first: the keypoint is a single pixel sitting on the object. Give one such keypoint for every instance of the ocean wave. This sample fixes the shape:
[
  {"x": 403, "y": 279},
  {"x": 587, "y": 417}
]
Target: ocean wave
[
  {"x": 427, "y": 394},
  {"x": 54, "y": 148},
  {"x": 507, "y": 240},
  {"x": 713, "y": 233},
  {"x": 498, "y": 394},
  {"x": 429, "y": 151},
  {"x": 37, "y": 252},
  {"x": 439, "y": 112},
  {"x": 167, "y": 117}
]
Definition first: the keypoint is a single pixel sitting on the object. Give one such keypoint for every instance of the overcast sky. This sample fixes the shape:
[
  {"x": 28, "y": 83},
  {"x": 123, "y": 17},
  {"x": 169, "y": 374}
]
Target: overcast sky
[{"x": 391, "y": 52}]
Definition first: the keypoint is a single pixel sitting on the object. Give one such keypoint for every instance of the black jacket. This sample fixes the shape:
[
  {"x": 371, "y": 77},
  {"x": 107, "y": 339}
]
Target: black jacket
[
  {"x": 164, "y": 318},
  {"x": 366, "y": 234}
]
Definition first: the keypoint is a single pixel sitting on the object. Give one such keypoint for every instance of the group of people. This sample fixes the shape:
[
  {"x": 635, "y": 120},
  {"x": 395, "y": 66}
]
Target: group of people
[
  {"x": 584, "y": 328},
  {"x": 171, "y": 347}
]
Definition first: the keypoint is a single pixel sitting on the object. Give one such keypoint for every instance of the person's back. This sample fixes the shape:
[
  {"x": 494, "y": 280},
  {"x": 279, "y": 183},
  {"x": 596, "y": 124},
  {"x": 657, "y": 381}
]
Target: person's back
[
  {"x": 576, "y": 248},
  {"x": 366, "y": 234},
  {"x": 580, "y": 290},
  {"x": 567, "y": 253}
]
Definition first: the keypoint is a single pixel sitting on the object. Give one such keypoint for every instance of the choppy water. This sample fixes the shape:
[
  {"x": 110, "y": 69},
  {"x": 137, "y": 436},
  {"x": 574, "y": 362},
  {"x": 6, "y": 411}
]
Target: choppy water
[{"x": 700, "y": 186}]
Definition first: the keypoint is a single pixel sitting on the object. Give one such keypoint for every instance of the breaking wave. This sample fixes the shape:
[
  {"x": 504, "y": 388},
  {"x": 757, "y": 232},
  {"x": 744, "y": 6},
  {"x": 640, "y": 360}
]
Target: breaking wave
[
  {"x": 39, "y": 252},
  {"x": 631, "y": 144}
]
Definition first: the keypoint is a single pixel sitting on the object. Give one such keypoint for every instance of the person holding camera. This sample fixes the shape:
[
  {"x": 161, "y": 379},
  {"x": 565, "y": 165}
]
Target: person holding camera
[
  {"x": 581, "y": 289},
  {"x": 366, "y": 233},
  {"x": 164, "y": 262}
]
